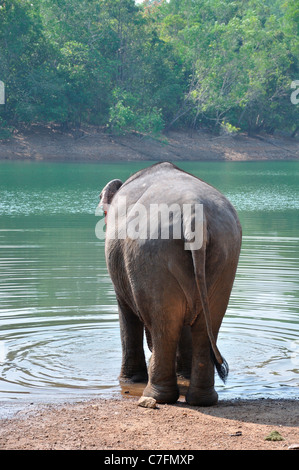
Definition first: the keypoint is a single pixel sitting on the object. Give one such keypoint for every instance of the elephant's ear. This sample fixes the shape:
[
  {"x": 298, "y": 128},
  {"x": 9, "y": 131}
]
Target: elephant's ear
[{"x": 109, "y": 192}]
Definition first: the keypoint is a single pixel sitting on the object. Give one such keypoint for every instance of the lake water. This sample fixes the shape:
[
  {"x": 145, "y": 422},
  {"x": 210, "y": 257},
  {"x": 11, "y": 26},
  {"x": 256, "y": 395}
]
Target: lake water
[{"x": 59, "y": 330}]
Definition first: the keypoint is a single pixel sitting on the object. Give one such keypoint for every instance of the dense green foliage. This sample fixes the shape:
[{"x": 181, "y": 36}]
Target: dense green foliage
[{"x": 148, "y": 67}]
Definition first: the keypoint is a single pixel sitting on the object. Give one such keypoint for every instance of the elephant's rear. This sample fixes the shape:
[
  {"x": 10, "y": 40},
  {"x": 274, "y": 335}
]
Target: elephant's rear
[
  {"x": 150, "y": 272},
  {"x": 143, "y": 274}
]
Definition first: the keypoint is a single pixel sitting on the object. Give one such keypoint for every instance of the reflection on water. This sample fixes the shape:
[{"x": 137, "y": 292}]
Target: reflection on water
[{"x": 59, "y": 332}]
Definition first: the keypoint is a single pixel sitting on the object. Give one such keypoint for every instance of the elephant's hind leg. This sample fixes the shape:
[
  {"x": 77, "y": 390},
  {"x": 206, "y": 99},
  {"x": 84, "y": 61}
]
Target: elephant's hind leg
[
  {"x": 165, "y": 334},
  {"x": 162, "y": 383},
  {"x": 133, "y": 367},
  {"x": 201, "y": 390}
]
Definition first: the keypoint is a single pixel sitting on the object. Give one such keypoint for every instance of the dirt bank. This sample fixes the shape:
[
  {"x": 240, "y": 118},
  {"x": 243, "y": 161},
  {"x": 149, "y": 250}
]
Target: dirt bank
[
  {"x": 120, "y": 424},
  {"x": 92, "y": 144}
]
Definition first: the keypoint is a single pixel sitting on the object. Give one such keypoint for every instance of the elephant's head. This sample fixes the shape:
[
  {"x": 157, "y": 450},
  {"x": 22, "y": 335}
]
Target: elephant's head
[{"x": 108, "y": 193}]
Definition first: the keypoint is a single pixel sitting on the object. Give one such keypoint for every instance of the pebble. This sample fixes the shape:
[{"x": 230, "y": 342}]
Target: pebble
[
  {"x": 147, "y": 402},
  {"x": 293, "y": 447}
]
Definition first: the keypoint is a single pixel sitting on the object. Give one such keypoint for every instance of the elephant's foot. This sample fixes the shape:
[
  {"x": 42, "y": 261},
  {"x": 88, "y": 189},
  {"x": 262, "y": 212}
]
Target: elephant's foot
[
  {"x": 202, "y": 397},
  {"x": 162, "y": 394},
  {"x": 134, "y": 377}
]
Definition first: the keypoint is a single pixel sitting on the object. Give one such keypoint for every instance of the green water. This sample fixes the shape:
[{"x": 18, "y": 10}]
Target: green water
[{"x": 59, "y": 331}]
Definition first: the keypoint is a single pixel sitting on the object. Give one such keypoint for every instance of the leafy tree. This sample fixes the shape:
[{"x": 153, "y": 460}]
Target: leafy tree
[
  {"x": 240, "y": 62},
  {"x": 23, "y": 51},
  {"x": 225, "y": 65}
]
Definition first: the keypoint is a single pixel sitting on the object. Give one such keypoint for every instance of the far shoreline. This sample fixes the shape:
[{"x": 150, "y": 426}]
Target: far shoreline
[{"x": 93, "y": 145}]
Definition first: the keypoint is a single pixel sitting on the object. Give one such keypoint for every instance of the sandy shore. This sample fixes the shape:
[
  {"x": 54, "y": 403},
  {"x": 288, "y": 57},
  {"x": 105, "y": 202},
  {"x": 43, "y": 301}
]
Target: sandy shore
[
  {"x": 120, "y": 424},
  {"x": 91, "y": 144}
]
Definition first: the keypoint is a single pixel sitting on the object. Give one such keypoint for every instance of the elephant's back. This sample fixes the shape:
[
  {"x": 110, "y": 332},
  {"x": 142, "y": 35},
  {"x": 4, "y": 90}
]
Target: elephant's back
[{"x": 164, "y": 183}]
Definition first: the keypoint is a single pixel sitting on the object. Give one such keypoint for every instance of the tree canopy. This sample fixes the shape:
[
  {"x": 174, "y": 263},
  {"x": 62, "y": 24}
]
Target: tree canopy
[{"x": 217, "y": 64}]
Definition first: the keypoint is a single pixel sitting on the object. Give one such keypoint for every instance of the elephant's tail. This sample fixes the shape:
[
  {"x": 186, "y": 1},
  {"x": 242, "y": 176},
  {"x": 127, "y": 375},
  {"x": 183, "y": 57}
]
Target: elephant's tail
[{"x": 199, "y": 261}]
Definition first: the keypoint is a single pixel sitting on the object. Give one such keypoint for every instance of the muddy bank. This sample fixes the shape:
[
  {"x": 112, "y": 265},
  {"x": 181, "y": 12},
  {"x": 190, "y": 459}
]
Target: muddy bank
[
  {"x": 120, "y": 424},
  {"x": 92, "y": 144}
]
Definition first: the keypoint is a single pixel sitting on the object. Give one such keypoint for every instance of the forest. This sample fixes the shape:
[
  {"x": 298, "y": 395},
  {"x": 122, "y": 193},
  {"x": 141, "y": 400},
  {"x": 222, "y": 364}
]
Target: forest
[{"x": 150, "y": 67}]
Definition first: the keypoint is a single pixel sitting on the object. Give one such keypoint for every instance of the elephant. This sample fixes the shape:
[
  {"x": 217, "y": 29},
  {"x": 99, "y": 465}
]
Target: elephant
[{"x": 173, "y": 290}]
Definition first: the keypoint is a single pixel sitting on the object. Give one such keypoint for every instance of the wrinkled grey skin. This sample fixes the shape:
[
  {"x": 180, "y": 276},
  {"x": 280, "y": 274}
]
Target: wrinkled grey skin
[{"x": 179, "y": 296}]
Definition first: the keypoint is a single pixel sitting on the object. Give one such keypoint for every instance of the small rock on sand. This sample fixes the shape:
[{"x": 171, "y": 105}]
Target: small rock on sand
[
  {"x": 147, "y": 402},
  {"x": 294, "y": 447}
]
